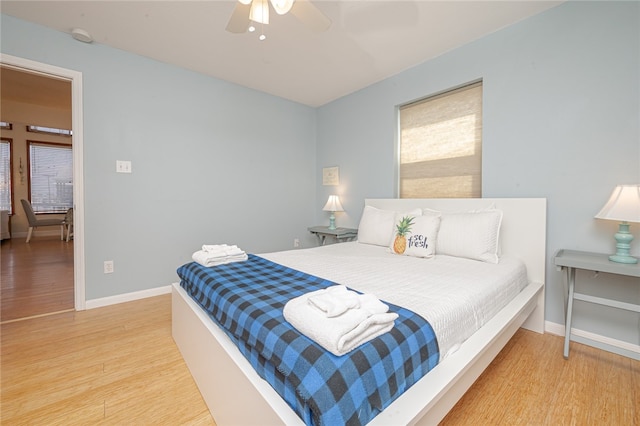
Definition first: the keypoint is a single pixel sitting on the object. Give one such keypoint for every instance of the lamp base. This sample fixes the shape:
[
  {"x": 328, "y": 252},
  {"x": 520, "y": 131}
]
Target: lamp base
[
  {"x": 332, "y": 222},
  {"x": 623, "y": 259},
  {"x": 623, "y": 244}
]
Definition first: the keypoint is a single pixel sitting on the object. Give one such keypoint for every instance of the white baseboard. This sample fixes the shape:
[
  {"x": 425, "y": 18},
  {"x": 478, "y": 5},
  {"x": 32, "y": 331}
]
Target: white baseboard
[
  {"x": 558, "y": 330},
  {"x": 127, "y": 297}
]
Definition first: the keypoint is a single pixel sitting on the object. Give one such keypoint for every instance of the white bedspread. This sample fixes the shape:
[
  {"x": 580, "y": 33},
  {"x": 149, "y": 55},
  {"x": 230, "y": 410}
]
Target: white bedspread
[{"x": 457, "y": 296}]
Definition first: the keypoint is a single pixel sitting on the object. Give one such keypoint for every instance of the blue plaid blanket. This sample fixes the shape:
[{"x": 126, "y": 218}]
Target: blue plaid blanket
[{"x": 247, "y": 298}]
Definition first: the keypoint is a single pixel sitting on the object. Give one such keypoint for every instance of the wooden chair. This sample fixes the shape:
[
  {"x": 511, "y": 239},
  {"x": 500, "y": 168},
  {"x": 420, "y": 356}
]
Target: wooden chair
[
  {"x": 34, "y": 222},
  {"x": 67, "y": 224}
]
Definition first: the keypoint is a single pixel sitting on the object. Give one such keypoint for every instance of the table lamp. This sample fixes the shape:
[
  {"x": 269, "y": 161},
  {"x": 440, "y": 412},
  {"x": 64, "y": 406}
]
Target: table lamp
[
  {"x": 624, "y": 206},
  {"x": 333, "y": 205}
]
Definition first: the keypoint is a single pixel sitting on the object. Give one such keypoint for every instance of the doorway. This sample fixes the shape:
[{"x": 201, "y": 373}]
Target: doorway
[{"x": 75, "y": 80}]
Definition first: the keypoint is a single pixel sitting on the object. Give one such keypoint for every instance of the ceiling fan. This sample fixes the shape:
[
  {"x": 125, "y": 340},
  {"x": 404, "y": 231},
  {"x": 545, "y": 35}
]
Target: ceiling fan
[{"x": 247, "y": 11}]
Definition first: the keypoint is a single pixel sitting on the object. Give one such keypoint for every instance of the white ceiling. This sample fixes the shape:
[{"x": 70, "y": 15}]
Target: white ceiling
[{"x": 368, "y": 41}]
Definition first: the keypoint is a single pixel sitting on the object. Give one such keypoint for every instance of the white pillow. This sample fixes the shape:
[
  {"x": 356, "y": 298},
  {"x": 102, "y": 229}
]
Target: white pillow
[
  {"x": 420, "y": 240},
  {"x": 376, "y": 225},
  {"x": 472, "y": 235}
]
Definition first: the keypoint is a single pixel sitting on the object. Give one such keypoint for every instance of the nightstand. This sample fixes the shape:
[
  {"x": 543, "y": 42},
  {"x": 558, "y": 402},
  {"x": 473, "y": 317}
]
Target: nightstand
[
  {"x": 340, "y": 234},
  {"x": 570, "y": 260}
]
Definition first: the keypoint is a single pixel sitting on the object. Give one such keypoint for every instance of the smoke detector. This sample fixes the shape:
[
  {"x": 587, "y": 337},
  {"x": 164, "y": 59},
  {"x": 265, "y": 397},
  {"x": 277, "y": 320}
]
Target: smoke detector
[{"x": 81, "y": 35}]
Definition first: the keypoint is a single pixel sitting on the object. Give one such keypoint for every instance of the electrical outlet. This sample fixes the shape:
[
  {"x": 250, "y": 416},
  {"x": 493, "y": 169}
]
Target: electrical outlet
[
  {"x": 108, "y": 266},
  {"x": 296, "y": 243}
]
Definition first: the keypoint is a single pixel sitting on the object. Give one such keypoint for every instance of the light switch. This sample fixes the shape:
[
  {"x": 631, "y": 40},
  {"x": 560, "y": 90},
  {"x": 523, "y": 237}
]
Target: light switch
[{"x": 123, "y": 166}]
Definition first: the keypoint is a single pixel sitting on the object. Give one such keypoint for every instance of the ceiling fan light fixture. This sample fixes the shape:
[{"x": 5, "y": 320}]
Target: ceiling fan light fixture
[
  {"x": 248, "y": 14},
  {"x": 259, "y": 11},
  {"x": 282, "y": 6}
]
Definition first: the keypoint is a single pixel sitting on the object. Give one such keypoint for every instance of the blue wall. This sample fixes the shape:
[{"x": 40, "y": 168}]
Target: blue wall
[
  {"x": 560, "y": 120},
  {"x": 212, "y": 162}
]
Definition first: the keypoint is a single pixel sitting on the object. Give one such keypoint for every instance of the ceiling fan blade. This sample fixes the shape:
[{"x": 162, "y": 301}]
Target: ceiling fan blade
[
  {"x": 310, "y": 15},
  {"x": 239, "y": 21}
]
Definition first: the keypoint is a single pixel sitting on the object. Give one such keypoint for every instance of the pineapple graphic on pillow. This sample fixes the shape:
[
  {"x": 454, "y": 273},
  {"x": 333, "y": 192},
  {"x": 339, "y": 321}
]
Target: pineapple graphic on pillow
[{"x": 402, "y": 229}]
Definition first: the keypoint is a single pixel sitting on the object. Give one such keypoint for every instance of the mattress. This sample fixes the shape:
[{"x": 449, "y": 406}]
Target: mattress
[{"x": 456, "y": 295}]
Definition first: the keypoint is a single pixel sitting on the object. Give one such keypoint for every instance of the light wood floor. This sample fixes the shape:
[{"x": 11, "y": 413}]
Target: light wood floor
[
  {"x": 115, "y": 365},
  {"x": 530, "y": 383},
  {"x": 119, "y": 365},
  {"x": 37, "y": 277}
]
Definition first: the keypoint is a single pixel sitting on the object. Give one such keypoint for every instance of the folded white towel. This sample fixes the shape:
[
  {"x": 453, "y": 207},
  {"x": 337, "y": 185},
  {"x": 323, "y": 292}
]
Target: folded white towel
[
  {"x": 208, "y": 259},
  {"x": 340, "y": 334},
  {"x": 335, "y": 300},
  {"x": 372, "y": 304},
  {"x": 221, "y": 250}
]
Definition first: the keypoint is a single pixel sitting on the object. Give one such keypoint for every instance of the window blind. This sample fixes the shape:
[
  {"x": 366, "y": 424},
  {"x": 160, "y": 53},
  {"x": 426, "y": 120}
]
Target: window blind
[
  {"x": 441, "y": 145},
  {"x": 51, "y": 177},
  {"x": 5, "y": 175}
]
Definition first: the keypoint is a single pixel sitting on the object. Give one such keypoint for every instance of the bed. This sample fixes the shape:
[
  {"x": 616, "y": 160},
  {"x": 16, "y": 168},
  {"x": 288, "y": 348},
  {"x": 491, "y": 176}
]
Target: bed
[{"x": 236, "y": 394}]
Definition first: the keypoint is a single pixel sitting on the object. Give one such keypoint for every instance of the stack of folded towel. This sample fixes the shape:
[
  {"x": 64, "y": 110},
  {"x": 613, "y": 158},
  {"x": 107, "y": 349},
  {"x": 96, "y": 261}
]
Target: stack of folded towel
[
  {"x": 339, "y": 319},
  {"x": 212, "y": 255}
]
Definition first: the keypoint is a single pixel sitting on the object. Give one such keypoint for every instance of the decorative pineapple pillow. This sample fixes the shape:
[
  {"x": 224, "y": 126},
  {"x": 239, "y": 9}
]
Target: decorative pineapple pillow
[{"x": 415, "y": 235}]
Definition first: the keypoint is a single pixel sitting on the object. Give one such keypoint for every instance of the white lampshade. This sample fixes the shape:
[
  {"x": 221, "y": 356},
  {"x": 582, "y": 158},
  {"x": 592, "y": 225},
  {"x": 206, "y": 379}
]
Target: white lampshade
[
  {"x": 259, "y": 11},
  {"x": 333, "y": 204},
  {"x": 282, "y": 6},
  {"x": 623, "y": 205}
]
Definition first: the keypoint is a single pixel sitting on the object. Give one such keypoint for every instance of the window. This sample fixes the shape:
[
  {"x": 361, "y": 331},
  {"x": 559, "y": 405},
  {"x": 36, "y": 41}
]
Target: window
[
  {"x": 49, "y": 130},
  {"x": 5, "y": 175},
  {"x": 441, "y": 145},
  {"x": 50, "y": 177}
]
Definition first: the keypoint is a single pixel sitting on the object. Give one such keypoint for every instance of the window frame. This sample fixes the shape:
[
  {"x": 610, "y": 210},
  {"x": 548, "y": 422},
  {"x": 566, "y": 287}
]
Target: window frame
[
  {"x": 29, "y": 174},
  {"x": 53, "y": 131}
]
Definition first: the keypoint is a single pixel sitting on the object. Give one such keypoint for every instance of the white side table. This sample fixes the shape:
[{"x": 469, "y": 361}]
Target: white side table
[
  {"x": 340, "y": 234},
  {"x": 570, "y": 260}
]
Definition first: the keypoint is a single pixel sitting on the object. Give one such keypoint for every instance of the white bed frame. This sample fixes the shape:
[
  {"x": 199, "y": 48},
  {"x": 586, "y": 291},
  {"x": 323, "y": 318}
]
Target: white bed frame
[{"x": 236, "y": 395}]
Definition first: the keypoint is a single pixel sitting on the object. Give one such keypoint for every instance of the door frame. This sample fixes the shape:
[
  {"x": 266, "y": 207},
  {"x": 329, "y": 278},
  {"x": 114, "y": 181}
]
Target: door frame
[{"x": 75, "y": 77}]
